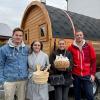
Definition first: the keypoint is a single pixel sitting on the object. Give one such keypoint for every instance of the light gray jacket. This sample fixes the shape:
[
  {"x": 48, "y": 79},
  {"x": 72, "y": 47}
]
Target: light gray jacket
[
  {"x": 41, "y": 58},
  {"x": 37, "y": 91}
]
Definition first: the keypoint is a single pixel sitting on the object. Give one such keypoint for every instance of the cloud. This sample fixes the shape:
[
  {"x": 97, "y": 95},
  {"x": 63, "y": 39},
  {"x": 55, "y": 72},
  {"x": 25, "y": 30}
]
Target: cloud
[
  {"x": 11, "y": 11},
  {"x": 58, "y": 3}
]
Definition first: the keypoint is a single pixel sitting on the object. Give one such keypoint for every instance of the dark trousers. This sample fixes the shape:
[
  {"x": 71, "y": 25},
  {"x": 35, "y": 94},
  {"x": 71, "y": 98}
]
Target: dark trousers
[
  {"x": 87, "y": 85},
  {"x": 61, "y": 92}
]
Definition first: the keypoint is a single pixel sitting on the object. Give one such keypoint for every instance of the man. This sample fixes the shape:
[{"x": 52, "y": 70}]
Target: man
[
  {"x": 13, "y": 66},
  {"x": 84, "y": 68}
]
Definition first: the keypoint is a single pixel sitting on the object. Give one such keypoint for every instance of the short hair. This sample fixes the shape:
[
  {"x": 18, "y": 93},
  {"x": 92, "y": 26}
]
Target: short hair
[
  {"x": 17, "y": 29},
  {"x": 78, "y": 30}
]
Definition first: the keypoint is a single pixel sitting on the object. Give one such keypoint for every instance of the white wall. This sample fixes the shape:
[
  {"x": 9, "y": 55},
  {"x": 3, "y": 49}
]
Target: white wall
[{"x": 86, "y": 7}]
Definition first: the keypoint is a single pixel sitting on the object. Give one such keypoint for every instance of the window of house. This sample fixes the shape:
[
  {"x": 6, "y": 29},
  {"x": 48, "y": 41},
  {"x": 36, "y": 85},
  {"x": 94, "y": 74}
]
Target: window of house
[
  {"x": 43, "y": 31},
  {"x": 26, "y": 36}
]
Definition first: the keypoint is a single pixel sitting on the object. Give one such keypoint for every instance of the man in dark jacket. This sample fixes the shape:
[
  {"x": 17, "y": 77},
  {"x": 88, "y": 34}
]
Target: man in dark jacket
[{"x": 84, "y": 66}]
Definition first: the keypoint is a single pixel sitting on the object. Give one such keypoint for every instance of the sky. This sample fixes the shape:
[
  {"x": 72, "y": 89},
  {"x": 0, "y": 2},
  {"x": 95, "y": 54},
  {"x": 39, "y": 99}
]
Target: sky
[
  {"x": 11, "y": 11},
  {"x": 86, "y": 7}
]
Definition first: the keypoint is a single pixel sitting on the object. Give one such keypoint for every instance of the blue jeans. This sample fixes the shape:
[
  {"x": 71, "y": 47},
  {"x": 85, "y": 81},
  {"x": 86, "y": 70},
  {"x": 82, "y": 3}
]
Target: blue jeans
[
  {"x": 61, "y": 92},
  {"x": 87, "y": 85}
]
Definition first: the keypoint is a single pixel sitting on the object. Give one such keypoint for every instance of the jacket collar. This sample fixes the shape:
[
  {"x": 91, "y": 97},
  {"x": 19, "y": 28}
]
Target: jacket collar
[
  {"x": 75, "y": 44},
  {"x": 11, "y": 44}
]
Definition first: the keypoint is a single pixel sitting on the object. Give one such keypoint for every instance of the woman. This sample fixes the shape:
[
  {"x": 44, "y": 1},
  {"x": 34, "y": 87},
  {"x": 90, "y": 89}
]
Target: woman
[
  {"x": 37, "y": 57},
  {"x": 61, "y": 90}
]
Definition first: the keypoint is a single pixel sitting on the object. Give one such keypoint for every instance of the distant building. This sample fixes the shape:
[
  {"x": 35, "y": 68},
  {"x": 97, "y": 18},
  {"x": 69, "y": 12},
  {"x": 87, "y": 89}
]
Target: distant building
[{"x": 5, "y": 33}]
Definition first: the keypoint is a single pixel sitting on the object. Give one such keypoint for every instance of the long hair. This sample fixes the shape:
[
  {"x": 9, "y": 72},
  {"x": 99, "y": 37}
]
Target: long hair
[{"x": 31, "y": 48}]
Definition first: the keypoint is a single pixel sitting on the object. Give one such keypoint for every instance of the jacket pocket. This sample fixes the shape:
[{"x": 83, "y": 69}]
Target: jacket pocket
[{"x": 10, "y": 57}]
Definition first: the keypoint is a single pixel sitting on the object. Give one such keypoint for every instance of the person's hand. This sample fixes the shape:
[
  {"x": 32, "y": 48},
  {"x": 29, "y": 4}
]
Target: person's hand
[{"x": 92, "y": 78}]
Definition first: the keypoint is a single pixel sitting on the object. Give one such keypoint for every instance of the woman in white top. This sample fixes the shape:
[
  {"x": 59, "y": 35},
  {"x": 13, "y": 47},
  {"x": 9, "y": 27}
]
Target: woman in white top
[{"x": 37, "y": 56}]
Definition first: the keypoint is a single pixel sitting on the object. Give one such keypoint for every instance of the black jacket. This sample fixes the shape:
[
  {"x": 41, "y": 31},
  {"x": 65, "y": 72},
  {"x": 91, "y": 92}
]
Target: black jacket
[{"x": 54, "y": 71}]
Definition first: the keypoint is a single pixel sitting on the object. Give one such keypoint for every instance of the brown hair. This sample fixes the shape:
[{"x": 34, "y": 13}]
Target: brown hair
[
  {"x": 17, "y": 29},
  {"x": 61, "y": 40},
  {"x": 31, "y": 48}
]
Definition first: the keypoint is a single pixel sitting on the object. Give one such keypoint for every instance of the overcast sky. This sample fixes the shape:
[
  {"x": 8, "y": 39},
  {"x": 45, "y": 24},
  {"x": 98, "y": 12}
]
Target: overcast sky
[
  {"x": 11, "y": 11},
  {"x": 87, "y": 7}
]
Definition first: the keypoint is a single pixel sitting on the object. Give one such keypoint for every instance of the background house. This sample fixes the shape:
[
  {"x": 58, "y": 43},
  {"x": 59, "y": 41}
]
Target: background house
[{"x": 5, "y": 33}]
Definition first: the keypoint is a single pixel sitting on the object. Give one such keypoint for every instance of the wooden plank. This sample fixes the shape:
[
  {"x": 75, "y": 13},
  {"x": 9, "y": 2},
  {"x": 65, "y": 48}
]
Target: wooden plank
[
  {"x": 33, "y": 12},
  {"x": 37, "y": 20}
]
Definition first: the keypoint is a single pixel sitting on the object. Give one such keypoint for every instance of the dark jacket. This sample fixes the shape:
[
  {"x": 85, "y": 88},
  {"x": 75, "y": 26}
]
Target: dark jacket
[{"x": 54, "y": 71}]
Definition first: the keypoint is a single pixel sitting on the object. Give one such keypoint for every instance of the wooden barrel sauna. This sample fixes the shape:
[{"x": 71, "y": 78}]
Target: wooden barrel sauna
[{"x": 48, "y": 24}]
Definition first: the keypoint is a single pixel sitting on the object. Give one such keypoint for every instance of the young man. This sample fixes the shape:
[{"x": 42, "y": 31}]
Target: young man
[
  {"x": 84, "y": 67},
  {"x": 13, "y": 66}
]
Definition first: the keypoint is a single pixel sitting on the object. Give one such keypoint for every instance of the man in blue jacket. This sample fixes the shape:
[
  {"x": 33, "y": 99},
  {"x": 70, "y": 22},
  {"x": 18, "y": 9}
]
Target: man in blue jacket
[{"x": 13, "y": 66}]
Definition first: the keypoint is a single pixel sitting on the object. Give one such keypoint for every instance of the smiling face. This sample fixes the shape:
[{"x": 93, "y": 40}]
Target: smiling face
[
  {"x": 61, "y": 44},
  {"x": 17, "y": 37},
  {"x": 36, "y": 46},
  {"x": 79, "y": 37}
]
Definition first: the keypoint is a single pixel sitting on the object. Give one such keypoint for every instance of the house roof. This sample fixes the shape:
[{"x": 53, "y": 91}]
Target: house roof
[
  {"x": 5, "y": 30},
  {"x": 62, "y": 27}
]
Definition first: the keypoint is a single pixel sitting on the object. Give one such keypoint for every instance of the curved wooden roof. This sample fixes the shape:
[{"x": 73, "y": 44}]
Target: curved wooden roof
[{"x": 62, "y": 27}]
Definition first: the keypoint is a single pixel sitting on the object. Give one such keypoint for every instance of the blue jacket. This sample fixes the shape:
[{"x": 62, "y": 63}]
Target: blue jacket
[{"x": 13, "y": 62}]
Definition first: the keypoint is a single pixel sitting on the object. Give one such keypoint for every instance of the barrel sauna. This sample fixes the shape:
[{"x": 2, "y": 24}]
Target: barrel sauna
[{"x": 48, "y": 24}]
